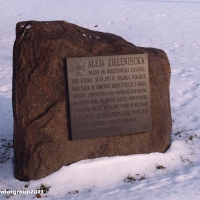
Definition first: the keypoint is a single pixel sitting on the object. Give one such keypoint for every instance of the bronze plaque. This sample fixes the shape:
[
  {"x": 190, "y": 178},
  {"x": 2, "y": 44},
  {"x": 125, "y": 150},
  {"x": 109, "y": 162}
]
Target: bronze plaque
[{"x": 109, "y": 95}]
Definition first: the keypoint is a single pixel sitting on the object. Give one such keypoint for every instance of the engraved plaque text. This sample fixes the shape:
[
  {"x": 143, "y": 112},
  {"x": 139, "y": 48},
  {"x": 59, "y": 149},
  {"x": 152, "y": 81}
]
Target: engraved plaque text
[{"x": 109, "y": 95}]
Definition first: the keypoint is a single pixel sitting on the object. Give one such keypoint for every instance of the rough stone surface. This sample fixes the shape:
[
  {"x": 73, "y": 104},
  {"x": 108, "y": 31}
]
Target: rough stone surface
[{"x": 40, "y": 102}]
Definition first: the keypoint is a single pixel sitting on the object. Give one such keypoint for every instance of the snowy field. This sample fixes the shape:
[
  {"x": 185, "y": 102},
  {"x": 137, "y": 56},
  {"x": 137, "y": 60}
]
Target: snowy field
[{"x": 171, "y": 25}]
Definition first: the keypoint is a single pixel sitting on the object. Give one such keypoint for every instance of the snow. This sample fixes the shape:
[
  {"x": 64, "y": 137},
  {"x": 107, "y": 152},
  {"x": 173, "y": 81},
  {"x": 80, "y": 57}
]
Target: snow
[
  {"x": 171, "y": 25},
  {"x": 27, "y": 27}
]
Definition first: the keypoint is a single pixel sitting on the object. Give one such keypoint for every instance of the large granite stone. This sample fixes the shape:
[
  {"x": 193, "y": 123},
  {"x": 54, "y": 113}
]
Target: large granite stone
[{"x": 40, "y": 101}]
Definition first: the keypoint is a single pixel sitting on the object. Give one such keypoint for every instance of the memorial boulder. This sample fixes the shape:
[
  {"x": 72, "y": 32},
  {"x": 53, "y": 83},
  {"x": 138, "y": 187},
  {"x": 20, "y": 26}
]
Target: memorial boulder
[{"x": 82, "y": 94}]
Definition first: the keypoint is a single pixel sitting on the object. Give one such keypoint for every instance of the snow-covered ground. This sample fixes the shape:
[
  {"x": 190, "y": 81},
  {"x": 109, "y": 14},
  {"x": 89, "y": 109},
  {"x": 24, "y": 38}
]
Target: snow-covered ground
[{"x": 171, "y": 25}]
